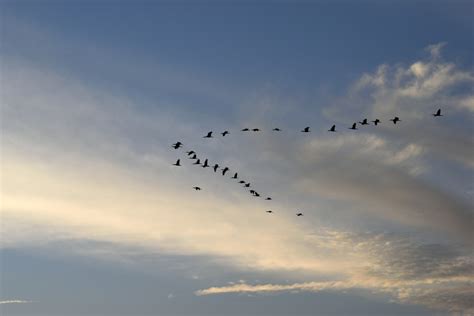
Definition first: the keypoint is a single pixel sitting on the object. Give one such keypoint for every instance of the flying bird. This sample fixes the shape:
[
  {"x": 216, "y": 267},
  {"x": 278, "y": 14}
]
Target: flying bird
[
  {"x": 247, "y": 185},
  {"x": 395, "y": 120},
  {"x": 225, "y": 133},
  {"x": 268, "y": 199},
  {"x": 193, "y": 157},
  {"x": 364, "y": 122},
  {"x": 353, "y": 126},
  {"x": 306, "y": 130},
  {"x": 241, "y": 181},
  {"x": 269, "y": 212},
  {"x": 197, "y": 188},
  {"x": 245, "y": 130},
  {"x": 198, "y": 162},
  {"x": 205, "y": 165},
  {"x": 438, "y": 113},
  {"x": 256, "y": 130},
  {"x": 377, "y": 121},
  {"x": 235, "y": 176},
  {"x": 177, "y": 163},
  {"x": 215, "y": 167},
  {"x": 209, "y": 135},
  {"x": 224, "y": 170},
  {"x": 252, "y": 191},
  {"x": 190, "y": 152},
  {"x": 177, "y": 145},
  {"x": 332, "y": 129},
  {"x": 299, "y": 214},
  {"x": 256, "y": 194},
  {"x": 276, "y": 129}
]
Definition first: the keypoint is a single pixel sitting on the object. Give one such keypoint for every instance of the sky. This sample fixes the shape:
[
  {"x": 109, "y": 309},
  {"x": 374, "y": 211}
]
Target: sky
[{"x": 95, "y": 220}]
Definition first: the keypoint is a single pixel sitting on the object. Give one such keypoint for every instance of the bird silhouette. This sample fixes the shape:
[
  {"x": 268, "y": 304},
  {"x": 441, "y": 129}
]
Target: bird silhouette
[
  {"x": 252, "y": 191},
  {"x": 247, "y": 185},
  {"x": 377, "y": 121},
  {"x": 256, "y": 130},
  {"x": 256, "y": 194},
  {"x": 215, "y": 167},
  {"x": 395, "y": 120},
  {"x": 353, "y": 126},
  {"x": 235, "y": 176},
  {"x": 332, "y": 129},
  {"x": 205, "y": 165},
  {"x": 438, "y": 113},
  {"x": 245, "y": 130},
  {"x": 193, "y": 157},
  {"x": 241, "y": 181},
  {"x": 224, "y": 170},
  {"x": 268, "y": 199},
  {"x": 177, "y": 145},
  {"x": 364, "y": 122},
  {"x": 191, "y": 152},
  {"x": 177, "y": 163},
  {"x": 197, "y": 188},
  {"x": 269, "y": 212},
  {"x": 225, "y": 133},
  {"x": 299, "y": 214},
  {"x": 276, "y": 129},
  {"x": 198, "y": 162},
  {"x": 209, "y": 135},
  {"x": 306, "y": 130}
]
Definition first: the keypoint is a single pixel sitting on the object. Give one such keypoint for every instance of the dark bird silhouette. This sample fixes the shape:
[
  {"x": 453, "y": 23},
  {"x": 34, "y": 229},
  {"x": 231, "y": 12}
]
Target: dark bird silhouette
[
  {"x": 205, "y": 165},
  {"x": 269, "y": 212},
  {"x": 241, "y": 181},
  {"x": 377, "y": 121},
  {"x": 215, "y": 167},
  {"x": 252, "y": 191},
  {"x": 306, "y": 130},
  {"x": 299, "y": 214},
  {"x": 364, "y": 122},
  {"x": 197, "y": 188},
  {"x": 177, "y": 145},
  {"x": 177, "y": 163},
  {"x": 268, "y": 199},
  {"x": 247, "y": 185},
  {"x": 256, "y": 130},
  {"x": 235, "y": 176},
  {"x": 332, "y": 129},
  {"x": 438, "y": 113},
  {"x": 256, "y": 194},
  {"x": 225, "y": 133},
  {"x": 245, "y": 130},
  {"x": 198, "y": 162},
  {"x": 191, "y": 152},
  {"x": 276, "y": 129},
  {"x": 353, "y": 126},
  {"x": 395, "y": 120},
  {"x": 224, "y": 170},
  {"x": 209, "y": 135},
  {"x": 193, "y": 157}
]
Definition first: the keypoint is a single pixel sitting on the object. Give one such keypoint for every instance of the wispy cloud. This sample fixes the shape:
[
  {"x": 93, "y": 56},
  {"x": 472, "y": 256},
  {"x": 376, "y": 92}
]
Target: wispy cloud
[{"x": 16, "y": 302}]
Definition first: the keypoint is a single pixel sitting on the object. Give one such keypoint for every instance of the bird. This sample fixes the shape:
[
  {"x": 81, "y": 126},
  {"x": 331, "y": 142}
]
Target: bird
[
  {"x": 209, "y": 135},
  {"x": 256, "y": 130},
  {"x": 377, "y": 121},
  {"x": 269, "y": 212},
  {"x": 256, "y": 194},
  {"x": 225, "y": 133},
  {"x": 268, "y": 199},
  {"x": 177, "y": 163},
  {"x": 395, "y": 120},
  {"x": 276, "y": 129},
  {"x": 252, "y": 191},
  {"x": 245, "y": 130},
  {"x": 332, "y": 129},
  {"x": 177, "y": 145},
  {"x": 299, "y": 214},
  {"x": 205, "y": 165},
  {"x": 306, "y": 130},
  {"x": 438, "y": 113},
  {"x": 193, "y": 157},
  {"x": 197, "y": 188},
  {"x": 241, "y": 181},
  {"x": 215, "y": 167},
  {"x": 353, "y": 126},
  {"x": 198, "y": 162},
  {"x": 235, "y": 176},
  {"x": 364, "y": 122},
  {"x": 191, "y": 152},
  {"x": 224, "y": 170},
  {"x": 247, "y": 185}
]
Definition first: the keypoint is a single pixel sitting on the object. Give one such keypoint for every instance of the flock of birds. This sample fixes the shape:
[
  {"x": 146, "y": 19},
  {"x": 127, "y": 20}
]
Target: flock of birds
[{"x": 197, "y": 161}]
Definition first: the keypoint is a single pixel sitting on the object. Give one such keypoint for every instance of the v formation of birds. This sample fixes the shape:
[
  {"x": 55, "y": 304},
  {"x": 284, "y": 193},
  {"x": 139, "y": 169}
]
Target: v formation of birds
[{"x": 193, "y": 155}]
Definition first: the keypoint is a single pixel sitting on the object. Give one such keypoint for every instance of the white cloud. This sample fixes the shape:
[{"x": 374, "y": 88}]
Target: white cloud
[{"x": 16, "y": 302}]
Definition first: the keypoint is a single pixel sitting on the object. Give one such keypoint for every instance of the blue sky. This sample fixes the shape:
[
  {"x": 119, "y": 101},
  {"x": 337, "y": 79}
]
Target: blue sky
[{"x": 96, "y": 221}]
